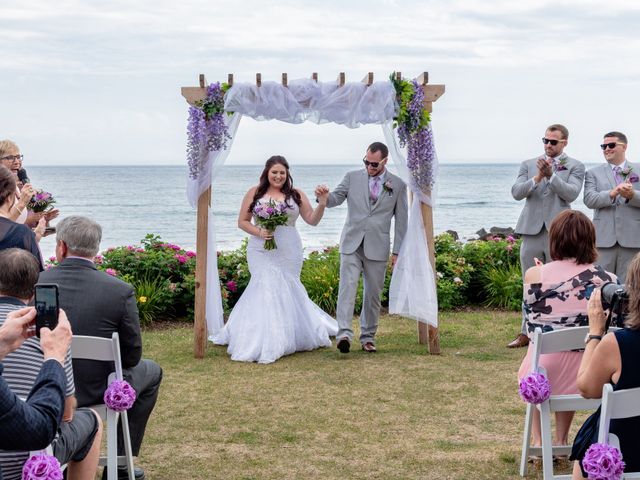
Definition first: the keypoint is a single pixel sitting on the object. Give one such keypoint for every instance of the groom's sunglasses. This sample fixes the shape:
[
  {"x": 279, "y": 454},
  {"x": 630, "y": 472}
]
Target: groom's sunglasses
[
  {"x": 551, "y": 141},
  {"x": 371, "y": 164}
]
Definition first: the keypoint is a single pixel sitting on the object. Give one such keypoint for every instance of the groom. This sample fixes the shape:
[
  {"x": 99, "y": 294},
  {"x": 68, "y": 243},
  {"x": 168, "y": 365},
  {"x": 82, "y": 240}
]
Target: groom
[{"x": 374, "y": 196}]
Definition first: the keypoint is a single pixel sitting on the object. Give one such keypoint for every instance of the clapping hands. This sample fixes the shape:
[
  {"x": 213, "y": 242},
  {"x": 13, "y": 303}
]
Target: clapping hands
[{"x": 322, "y": 194}]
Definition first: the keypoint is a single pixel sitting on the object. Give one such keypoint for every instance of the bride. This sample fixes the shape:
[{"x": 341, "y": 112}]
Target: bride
[{"x": 274, "y": 316}]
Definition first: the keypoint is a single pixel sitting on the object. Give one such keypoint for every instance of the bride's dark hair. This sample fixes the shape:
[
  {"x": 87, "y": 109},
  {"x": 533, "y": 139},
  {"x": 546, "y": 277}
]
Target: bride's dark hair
[{"x": 287, "y": 187}]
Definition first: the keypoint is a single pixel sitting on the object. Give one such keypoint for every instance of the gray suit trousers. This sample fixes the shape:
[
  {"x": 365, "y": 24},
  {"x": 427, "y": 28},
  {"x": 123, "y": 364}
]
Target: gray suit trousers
[
  {"x": 533, "y": 246},
  {"x": 352, "y": 265},
  {"x": 616, "y": 259}
]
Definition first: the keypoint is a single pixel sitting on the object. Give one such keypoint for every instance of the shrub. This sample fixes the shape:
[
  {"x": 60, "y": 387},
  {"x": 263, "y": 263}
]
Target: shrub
[
  {"x": 453, "y": 272},
  {"x": 233, "y": 271},
  {"x": 503, "y": 287}
]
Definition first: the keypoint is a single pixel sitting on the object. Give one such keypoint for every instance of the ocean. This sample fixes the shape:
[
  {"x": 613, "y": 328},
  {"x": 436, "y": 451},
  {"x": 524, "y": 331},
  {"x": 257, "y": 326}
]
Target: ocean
[{"x": 130, "y": 202}]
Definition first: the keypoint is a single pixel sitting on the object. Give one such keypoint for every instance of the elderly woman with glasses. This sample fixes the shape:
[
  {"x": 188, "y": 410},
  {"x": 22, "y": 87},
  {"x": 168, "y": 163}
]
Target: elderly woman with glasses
[{"x": 11, "y": 158}]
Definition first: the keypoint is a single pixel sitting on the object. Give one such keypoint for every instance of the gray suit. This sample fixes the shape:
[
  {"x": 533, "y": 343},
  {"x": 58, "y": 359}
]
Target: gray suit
[
  {"x": 543, "y": 202},
  {"x": 617, "y": 222},
  {"x": 364, "y": 246}
]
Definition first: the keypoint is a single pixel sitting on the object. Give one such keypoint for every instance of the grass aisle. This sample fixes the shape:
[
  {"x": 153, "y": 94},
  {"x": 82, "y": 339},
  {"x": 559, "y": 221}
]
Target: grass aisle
[{"x": 396, "y": 414}]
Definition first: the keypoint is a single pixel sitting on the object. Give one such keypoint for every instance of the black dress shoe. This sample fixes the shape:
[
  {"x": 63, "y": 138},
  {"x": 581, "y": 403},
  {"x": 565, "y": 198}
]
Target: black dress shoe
[
  {"x": 138, "y": 473},
  {"x": 344, "y": 345}
]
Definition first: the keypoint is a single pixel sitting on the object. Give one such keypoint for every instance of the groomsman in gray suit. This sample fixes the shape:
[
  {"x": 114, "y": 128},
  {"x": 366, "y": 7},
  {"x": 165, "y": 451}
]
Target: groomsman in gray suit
[
  {"x": 374, "y": 196},
  {"x": 611, "y": 190},
  {"x": 548, "y": 184}
]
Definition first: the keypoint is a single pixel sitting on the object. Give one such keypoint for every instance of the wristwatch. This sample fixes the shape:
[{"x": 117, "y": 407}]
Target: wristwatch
[{"x": 590, "y": 337}]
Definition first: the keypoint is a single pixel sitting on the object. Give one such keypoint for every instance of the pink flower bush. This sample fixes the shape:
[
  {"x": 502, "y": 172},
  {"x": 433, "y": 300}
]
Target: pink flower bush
[{"x": 111, "y": 272}]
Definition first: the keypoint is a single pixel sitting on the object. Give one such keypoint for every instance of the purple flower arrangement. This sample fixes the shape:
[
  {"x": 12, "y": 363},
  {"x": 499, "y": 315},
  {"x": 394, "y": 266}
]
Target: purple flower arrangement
[
  {"x": 534, "y": 388},
  {"x": 206, "y": 129},
  {"x": 119, "y": 395},
  {"x": 269, "y": 215},
  {"x": 42, "y": 467},
  {"x": 414, "y": 133},
  {"x": 629, "y": 175},
  {"x": 41, "y": 201},
  {"x": 603, "y": 462}
]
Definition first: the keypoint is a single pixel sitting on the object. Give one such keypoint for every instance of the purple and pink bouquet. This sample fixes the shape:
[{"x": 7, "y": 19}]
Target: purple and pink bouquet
[
  {"x": 534, "y": 388},
  {"x": 119, "y": 396},
  {"x": 603, "y": 462},
  {"x": 270, "y": 215},
  {"x": 42, "y": 467},
  {"x": 41, "y": 201}
]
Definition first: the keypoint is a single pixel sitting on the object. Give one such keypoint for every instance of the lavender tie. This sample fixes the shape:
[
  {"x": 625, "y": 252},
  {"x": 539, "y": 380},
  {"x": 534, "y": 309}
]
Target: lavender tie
[
  {"x": 616, "y": 174},
  {"x": 375, "y": 189}
]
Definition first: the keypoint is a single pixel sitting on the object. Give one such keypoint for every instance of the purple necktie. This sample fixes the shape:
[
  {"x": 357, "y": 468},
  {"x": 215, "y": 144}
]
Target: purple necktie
[
  {"x": 375, "y": 189},
  {"x": 616, "y": 174}
]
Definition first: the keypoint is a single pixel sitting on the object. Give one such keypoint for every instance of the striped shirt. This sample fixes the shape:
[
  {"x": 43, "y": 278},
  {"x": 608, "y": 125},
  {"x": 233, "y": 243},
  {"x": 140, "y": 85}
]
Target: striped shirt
[{"x": 21, "y": 368}]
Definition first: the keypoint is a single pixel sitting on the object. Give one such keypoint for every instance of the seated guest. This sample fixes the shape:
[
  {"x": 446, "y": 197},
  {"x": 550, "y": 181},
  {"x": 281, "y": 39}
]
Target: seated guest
[
  {"x": 555, "y": 297},
  {"x": 613, "y": 358},
  {"x": 98, "y": 304},
  {"x": 32, "y": 425},
  {"x": 14, "y": 234},
  {"x": 79, "y": 434}
]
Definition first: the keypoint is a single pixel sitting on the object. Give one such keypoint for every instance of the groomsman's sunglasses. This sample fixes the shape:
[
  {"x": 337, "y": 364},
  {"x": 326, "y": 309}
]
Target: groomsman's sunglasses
[
  {"x": 610, "y": 145},
  {"x": 372, "y": 164},
  {"x": 552, "y": 141}
]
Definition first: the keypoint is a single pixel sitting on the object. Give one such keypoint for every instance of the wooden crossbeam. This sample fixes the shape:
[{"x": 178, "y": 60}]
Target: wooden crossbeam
[
  {"x": 368, "y": 79},
  {"x": 258, "y": 79},
  {"x": 341, "y": 79},
  {"x": 230, "y": 79},
  {"x": 314, "y": 76},
  {"x": 284, "y": 80}
]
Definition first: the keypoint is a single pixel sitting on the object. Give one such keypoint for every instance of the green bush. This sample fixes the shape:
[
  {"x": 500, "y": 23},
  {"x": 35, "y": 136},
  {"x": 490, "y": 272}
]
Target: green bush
[
  {"x": 503, "y": 287},
  {"x": 453, "y": 272},
  {"x": 233, "y": 271}
]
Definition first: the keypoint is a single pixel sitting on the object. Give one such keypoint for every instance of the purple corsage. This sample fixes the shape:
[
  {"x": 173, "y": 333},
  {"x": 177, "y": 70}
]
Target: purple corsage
[
  {"x": 388, "y": 187},
  {"x": 42, "y": 467},
  {"x": 628, "y": 175},
  {"x": 561, "y": 165},
  {"x": 119, "y": 396},
  {"x": 603, "y": 462},
  {"x": 535, "y": 388}
]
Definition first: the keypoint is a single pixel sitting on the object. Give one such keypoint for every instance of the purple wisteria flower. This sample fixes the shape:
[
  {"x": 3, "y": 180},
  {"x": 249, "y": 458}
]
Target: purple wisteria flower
[
  {"x": 42, "y": 467},
  {"x": 119, "y": 396},
  {"x": 603, "y": 462},
  {"x": 206, "y": 129},
  {"x": 534, "y": 388}
]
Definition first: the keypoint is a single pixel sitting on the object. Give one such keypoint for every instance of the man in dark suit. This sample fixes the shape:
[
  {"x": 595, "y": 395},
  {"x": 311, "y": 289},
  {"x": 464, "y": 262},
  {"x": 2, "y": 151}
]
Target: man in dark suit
[{"x": 98, "y": 304}]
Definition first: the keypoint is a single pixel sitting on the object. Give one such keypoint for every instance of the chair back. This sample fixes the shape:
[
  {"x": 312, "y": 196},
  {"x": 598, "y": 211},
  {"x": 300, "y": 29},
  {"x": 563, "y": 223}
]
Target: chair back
[
  {"x": 98, "y": 348},
  {"x": 556, "y": 341},
  {"x": 618, "y": 404}
]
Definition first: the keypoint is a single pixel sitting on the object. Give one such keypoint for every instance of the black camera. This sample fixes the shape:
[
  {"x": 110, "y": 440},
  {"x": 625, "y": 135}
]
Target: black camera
[{"x": 616, "y": 299}]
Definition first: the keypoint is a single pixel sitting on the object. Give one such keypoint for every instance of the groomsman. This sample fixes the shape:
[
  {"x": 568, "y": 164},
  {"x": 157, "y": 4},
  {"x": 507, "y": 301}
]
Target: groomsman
[
  {"x": 610, "y": 190},
  {"x": 548, "y": 183}
]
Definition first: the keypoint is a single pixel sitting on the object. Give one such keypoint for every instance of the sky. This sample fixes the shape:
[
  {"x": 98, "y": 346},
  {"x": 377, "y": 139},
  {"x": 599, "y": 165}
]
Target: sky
[{"x": 86, "y": 82}]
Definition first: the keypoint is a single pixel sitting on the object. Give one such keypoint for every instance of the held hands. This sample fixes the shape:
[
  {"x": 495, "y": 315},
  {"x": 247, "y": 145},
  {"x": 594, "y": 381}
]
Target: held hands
[
  {"x": 597, "y": 317},
  {"x": 19, "y": 325},
  {"x": 625, "y": 190},
  {"x": 544, "y": 169},
  {"x": 264, "y": 234},
  {"x": 322, "y": 194},
  {"x": 25, "y": 195},
  {"x": 55, "y": 343}
]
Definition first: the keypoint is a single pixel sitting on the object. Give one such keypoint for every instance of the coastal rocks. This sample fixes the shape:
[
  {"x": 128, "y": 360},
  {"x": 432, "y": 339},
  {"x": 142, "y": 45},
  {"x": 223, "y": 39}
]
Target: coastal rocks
[{"x": 502, "y": 232}]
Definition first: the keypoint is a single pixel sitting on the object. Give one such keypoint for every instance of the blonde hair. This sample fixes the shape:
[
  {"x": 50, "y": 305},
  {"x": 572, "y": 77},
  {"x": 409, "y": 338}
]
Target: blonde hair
[
  {"x": 6, "y": 145},
  {"x": 632, "y": 285}
]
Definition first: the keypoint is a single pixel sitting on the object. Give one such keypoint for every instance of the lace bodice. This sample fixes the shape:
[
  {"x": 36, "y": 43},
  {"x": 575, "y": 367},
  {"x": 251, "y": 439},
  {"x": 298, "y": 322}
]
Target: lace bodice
[{"x": 293, "y": 212}]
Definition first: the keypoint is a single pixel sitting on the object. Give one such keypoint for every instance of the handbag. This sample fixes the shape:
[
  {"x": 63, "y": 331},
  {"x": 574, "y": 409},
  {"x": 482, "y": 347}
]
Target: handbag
[{"x": 586, "y": 436}]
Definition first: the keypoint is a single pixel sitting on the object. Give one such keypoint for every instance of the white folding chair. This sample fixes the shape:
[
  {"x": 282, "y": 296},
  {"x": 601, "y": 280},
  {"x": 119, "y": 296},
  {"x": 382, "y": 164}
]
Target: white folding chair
[
  {"x": 618, "y": 404},
  {"x": 108, "y": 350},
  {"x": 552, "y": 342}
]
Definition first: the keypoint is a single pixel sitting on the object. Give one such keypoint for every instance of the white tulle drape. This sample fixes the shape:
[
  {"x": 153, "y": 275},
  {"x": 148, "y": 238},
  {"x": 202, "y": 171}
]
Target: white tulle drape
[
  {"x": 412, "y": 292},
  {"x": 353, "y": 104}
]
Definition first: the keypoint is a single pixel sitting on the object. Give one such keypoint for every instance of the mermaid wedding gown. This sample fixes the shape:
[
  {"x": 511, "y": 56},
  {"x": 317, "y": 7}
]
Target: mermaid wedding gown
[{"x": 275, "y": 316}]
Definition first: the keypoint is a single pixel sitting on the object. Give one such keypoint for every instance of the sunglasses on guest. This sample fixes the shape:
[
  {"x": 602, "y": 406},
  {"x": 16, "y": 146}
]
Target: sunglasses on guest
[
  {"x": 552, "y": 141},
  {"x": 372, "y": 164},
  {"x": 610, "y": 145},
  {"x": 12, "y": 157}
]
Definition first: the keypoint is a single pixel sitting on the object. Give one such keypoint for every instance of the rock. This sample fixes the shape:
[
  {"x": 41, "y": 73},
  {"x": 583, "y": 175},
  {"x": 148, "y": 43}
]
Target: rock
[
  {"x": 454, "y": 234},
  {"x": 502, "y": 232}
]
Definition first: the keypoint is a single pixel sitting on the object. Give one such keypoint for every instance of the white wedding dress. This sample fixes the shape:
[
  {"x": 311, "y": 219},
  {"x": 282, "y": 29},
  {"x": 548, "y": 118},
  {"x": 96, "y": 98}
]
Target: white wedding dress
[{"x": 275, "y": 316}]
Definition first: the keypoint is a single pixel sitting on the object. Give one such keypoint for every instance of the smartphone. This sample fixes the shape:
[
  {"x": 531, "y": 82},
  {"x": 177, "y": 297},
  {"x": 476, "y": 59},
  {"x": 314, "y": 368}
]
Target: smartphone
[
  {"x": 46, "y": 306},
  {"x": 49, "y": 230}
]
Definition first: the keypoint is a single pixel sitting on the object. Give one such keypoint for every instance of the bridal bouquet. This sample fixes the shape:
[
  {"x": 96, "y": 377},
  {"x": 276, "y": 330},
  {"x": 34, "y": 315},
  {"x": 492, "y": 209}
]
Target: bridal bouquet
[
  {"x": 41, "y": 201},
  {"x": 270, "y": 215}
]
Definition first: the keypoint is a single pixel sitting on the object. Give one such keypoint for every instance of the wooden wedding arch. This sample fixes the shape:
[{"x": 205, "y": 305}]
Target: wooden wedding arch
[{"x": 427, "y": 334}]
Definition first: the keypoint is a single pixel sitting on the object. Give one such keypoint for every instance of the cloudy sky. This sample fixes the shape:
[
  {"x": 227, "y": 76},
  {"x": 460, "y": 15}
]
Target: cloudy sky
[{"x": 85, "y": 82}]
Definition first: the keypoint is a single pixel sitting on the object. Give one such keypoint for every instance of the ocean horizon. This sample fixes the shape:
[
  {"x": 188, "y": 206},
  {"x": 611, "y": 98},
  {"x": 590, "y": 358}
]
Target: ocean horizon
[{"x": 132, "y": 201}]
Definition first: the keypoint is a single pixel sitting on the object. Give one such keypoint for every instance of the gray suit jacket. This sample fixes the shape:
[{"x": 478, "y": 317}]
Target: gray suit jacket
[
  {"x": 97, "y": 304},
  {"x": 368, "y": 222},
  {"x": 549, "y": 197},
  {"x": 617, "y": 221}
]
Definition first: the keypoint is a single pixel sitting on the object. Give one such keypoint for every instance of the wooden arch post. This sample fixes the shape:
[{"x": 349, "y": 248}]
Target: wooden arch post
[{"x": 426, "y": 333}]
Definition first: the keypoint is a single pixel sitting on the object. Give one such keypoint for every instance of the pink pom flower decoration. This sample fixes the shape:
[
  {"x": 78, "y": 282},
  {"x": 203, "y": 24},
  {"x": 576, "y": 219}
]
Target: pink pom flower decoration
[
  {"x": 119, "y": 396},
  {"x": 535, "y": 388},
  {"x": 42, "y": 467},
  {"x": 603, "y": 462}
]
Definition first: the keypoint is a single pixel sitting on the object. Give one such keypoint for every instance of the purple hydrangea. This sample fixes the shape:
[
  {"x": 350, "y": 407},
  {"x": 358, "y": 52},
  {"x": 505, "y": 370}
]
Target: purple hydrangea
[
  {"x": 119, "y": 396},
  {"x": 42, "y": 467},
  {"x": 534, "y": 388},
  {"x": 603, "y": 462}
]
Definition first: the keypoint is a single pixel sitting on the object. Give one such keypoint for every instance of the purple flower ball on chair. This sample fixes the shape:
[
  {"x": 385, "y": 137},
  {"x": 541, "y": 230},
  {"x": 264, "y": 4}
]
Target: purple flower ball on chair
[
  {"x": 535, "y": 388},
  {"x": 42, "y": 467},
  {"x": 119, "y": 396},
  {"x": 603, "y": 462}
]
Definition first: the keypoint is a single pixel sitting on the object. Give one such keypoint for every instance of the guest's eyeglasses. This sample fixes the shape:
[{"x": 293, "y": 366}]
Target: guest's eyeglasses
[
  {"x": 610, "y": 145},
  {"x": 552, "y": 141},
  {"x": 12, "y": 157},
  {"x": 372, "y": 164}
]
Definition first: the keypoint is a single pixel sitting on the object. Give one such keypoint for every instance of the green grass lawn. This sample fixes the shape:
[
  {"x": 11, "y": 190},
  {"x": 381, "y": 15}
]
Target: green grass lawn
[{"x": 397, "y": 414}]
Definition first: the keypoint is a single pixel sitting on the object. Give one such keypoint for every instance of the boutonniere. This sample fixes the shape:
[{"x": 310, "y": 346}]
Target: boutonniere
[
  {"x": 388, "y": 187},
  {"x": 561, "y": 164},
  {"x": 628, "y": 175}
]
